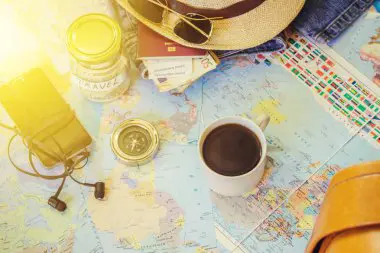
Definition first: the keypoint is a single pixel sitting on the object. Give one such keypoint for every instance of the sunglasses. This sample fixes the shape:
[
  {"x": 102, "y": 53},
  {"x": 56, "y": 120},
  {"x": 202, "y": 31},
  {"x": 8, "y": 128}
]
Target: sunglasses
[{"x": 192, "y": 27}]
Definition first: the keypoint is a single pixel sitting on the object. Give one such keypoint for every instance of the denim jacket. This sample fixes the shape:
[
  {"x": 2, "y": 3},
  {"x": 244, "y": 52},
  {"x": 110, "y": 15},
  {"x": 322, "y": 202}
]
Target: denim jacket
[{"x": 321, "y": 20}]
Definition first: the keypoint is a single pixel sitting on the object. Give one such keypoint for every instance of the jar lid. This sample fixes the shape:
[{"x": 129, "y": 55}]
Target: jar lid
[
  {"x": 135, "y": 141},
  {"x": 94, "y": 38}
]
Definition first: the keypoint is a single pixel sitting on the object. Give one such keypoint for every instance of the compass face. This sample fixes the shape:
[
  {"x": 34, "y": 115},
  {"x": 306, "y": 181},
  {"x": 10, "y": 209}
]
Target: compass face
[{"x": 134, "y": 141}]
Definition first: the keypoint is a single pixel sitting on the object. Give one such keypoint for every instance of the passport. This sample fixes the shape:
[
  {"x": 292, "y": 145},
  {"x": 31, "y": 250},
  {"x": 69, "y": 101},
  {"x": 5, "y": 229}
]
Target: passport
[{"x": 152, "y": 45}]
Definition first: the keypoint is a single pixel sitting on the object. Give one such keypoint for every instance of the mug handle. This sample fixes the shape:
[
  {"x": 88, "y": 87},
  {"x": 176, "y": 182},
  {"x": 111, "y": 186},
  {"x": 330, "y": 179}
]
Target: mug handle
[{"x": 263, "y": 121}]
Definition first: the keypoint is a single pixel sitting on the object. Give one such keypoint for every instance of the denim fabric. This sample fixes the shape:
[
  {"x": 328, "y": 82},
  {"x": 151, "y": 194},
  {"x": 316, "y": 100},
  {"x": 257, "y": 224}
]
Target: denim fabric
[
  {"x": 278, "y": 43},
  {"x": 376, "y": 3},
  {"x": 321, "y": 20},
  {"x": 325, "y": 20}
]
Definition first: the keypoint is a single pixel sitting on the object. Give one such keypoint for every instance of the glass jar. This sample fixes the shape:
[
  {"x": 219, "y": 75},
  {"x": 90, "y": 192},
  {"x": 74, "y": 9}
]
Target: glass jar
[{"x": 98, "y": 66}]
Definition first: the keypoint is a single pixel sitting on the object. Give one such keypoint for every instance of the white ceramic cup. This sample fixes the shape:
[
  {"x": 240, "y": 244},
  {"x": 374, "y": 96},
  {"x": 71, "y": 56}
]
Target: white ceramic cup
[{"x": 236, "y": 185}]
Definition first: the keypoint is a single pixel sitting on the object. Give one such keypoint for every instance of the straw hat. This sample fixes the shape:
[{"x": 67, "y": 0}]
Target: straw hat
[{"x": 244, "y": 23}]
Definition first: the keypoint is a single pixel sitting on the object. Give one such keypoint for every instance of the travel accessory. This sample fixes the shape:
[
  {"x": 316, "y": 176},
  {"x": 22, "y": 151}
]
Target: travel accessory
[
  {"x": 154, "y": 46},
  {"x": 135, "y": 142},
  {"x": 349, "y": 219},
  {"x": 98, "y": 66},
  {"x": 224, "y": 25},
  {"x": 191, "y": 27},
  {"x": 48, "y": 128}
]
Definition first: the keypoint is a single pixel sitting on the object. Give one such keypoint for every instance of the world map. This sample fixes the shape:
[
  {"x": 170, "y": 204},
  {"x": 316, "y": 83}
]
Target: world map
[
  {"x": 163, "y": 206},
  {"x": 360, "y": 45},
  {"x": 277, "y": 225},
  {"x": 323, "y": 119}
]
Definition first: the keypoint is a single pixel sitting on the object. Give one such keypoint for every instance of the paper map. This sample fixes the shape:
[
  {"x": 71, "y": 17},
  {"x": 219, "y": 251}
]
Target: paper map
[
  {"x": 263, "y": 222},
  {"x": 360, "y": 45},
  {"x": 324, "y": 118},
  {"x": 161, "y": 207}
]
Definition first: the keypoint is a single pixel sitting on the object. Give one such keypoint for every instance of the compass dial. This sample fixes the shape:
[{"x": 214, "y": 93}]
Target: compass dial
[{"x": 134, "y": 140}]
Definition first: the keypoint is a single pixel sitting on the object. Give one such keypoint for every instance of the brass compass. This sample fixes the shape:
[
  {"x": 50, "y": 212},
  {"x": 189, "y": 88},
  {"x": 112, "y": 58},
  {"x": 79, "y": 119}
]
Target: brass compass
[{"x": 135, "y": 141}]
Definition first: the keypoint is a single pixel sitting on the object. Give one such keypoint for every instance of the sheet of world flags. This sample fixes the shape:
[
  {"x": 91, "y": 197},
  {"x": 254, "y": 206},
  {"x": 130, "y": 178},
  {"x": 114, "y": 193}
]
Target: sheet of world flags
[{"x": 342, "y": 94}]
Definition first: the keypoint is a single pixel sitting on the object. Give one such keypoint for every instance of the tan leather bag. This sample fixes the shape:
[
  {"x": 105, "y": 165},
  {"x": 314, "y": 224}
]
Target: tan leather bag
[{"x": 349, "y": 219}]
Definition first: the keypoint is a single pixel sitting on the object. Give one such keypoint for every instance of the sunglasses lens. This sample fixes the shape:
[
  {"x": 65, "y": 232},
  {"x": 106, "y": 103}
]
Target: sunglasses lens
[
  {"x": 189, "y": 33},
  {"x": 148, "y": 9}
]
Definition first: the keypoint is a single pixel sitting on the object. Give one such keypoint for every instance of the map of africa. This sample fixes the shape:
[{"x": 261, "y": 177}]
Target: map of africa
[{"x": 323, "y": 119}]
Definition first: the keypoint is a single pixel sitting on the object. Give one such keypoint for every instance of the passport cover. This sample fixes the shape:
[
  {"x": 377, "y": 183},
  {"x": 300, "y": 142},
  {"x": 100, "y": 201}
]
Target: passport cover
[{"x": 152, "y": 45}]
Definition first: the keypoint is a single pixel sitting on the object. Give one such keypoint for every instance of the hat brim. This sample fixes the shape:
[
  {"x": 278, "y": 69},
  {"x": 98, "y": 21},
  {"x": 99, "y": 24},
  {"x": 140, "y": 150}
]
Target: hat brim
[{"x": 245, "y": 31}]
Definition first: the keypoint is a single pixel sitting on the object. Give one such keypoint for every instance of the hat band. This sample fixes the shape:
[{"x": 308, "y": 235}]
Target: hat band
[{"x": 231, "y": 11}]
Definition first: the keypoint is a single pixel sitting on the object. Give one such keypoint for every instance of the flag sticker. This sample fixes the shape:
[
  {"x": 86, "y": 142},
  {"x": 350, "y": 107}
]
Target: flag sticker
[
  {"x": 295, "y": 71},
  {"x": 322, "y": 84},
  {"x": 310, "y": 83},
  {"x": 317, "y": 52},
  {"x": 340, "y": 91},
  {"x": 330, "y": 63},
  {"x": 291, "y": 41},
  {"x": 323, "y": 57},
  {"x": 348, "y": 96},
  {"x": 361, "y": 108},
  {"x": 353, "y": 91},
  {"x": 334, "y": 85}
]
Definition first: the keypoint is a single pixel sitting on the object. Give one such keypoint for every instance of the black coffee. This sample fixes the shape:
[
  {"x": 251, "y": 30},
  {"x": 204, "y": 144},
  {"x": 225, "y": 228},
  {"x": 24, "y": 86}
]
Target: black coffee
[{"x": 231, "y": 150}]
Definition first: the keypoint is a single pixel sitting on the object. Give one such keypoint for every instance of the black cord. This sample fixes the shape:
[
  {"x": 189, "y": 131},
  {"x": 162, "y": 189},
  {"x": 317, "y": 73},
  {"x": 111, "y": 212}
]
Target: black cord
[
  {"x": 8, "y": 127},
  {"x": 67, "y": 172},
  {"x": 47, "y": 177},
  {"x": 81, "y": 167},
  {"x": 60, "y": 187},
  {"x": 78, "y": 182},
  {"x": 36, "y": 174},
  {"x": 52, "y": 125},
  {"x": 13, "y": 163},
  {"x": 69, "y": 164}
]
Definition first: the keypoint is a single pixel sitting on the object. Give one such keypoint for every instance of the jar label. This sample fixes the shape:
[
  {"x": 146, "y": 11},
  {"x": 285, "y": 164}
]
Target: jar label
[
  {"x": 103, "y": 91},
  {"x": 100, "y": 86},
  {"x": 106, "y": 97}
]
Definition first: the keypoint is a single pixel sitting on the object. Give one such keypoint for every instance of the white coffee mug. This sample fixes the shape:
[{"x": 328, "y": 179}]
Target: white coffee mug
[{"x": 236, "y": 185}]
